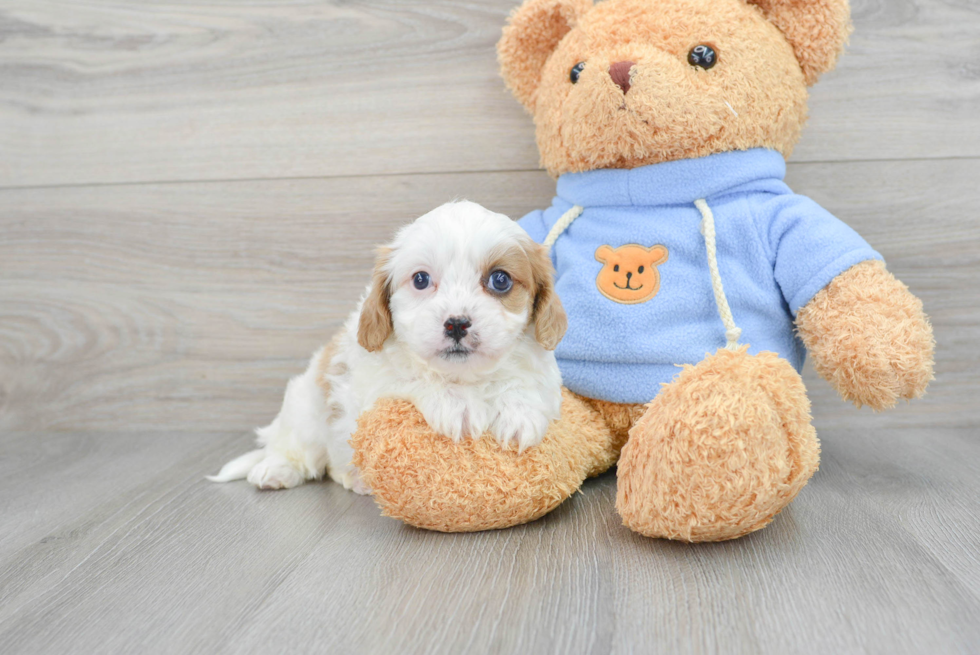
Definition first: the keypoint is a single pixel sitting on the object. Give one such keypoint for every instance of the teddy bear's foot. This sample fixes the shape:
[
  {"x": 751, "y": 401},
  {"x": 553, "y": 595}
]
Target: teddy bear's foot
[
  {"x": 432, "y": 482},
  {"x": 720, "y": 451}
]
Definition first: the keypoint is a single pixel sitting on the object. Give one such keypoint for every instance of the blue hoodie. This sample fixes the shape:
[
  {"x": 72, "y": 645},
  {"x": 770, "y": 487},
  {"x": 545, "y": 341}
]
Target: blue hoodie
[{"x": 775, "y": 251}]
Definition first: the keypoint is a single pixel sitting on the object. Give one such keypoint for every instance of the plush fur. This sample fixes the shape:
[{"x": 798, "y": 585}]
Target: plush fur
[
  {"x": 742, "y": 480},
  {"x": 498, "y": 376},
  {"x": 720, "y": 451},
  {"x": 754, "y": 96},
  {"x": 473, "y": 484},
  {"x": 728, "y": 444},
  {"x": 437, "y": 484},
  {"x": 869, "y": 337}
]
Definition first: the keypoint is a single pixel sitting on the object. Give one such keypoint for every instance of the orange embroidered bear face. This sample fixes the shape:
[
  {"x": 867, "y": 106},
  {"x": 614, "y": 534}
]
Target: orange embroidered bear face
[{"x": 629, "y": 275}]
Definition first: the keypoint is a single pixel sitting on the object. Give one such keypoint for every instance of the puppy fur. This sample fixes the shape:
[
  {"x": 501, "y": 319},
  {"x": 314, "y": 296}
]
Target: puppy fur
[{"x": 499, "y": 375}]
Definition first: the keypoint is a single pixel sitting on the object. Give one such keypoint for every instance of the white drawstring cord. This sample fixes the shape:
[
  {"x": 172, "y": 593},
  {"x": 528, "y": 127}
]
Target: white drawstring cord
[
  {"x": 562, "y": 225},
  {"x": 732, "y": 331}
]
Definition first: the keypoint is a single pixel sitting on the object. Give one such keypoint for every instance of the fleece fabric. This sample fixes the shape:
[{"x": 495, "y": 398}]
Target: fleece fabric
[{"x": 775, "y": 250}]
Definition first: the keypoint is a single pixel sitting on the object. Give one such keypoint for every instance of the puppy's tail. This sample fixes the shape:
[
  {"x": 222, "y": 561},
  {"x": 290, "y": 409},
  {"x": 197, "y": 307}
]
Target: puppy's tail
[{"x": 239, "y": 467}]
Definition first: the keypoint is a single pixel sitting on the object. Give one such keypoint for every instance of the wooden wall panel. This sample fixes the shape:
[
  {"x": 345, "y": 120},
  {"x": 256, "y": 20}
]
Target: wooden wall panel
[
  {"x": 99, "y": 91},
  {"x": 187, "y": 306}
]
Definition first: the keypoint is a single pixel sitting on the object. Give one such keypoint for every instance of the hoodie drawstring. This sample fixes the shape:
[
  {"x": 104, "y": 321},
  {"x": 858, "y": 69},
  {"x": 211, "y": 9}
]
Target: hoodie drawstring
[{"x": 732, "y": 331}]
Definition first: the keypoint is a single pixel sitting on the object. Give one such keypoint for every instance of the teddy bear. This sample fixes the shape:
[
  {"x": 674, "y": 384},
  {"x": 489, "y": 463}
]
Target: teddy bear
[{"x": 695, "y": 281}]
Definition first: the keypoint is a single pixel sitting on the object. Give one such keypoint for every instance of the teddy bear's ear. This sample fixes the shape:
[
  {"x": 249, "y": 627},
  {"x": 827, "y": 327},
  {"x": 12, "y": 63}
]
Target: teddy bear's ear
[
  {"x": 816, "y": 29},
  {"x": 602, "y": 254},
  {"x": 531, "y": 35}
]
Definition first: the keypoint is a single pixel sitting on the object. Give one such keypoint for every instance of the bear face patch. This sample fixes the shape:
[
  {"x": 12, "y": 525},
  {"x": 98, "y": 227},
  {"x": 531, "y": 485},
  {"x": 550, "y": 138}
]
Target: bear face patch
[{"x": 629, "y": 274}]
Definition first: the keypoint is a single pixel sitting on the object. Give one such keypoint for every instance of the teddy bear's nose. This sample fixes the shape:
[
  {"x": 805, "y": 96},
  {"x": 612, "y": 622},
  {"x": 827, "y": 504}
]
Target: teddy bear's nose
[{"x": 620, "y": 74}]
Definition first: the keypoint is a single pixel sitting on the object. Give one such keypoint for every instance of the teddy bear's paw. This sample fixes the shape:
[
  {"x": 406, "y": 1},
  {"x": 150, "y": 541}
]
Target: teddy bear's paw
[
  {"x": 720, "y": 451},
  {"x": 869, "y": 337},
  {"x": 430, "y": 481}
]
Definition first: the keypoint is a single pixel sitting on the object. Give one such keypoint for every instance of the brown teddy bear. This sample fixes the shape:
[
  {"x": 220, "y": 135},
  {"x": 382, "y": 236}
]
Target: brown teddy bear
[{"x": 667, "y": 123}]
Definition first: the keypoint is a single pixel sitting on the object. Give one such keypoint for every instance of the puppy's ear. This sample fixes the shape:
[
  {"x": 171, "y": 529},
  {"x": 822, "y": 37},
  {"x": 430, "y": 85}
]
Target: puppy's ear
[
  {"x": 816, "y": 29},
  {"x": 533, "y": 32},
  {"x": 375, "y": 324},
  {"x": 550, "y": 321}
]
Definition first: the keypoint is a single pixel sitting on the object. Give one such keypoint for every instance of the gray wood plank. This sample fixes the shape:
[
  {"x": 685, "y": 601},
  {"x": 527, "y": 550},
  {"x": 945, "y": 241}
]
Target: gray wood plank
[
  {"x": 103, "y": 91},
  {"x": 188, "y": 306},
  {"x": 878, "y": 554},
  {"x": 48, "y": 480},
  {"x": 144, "y": 328}
]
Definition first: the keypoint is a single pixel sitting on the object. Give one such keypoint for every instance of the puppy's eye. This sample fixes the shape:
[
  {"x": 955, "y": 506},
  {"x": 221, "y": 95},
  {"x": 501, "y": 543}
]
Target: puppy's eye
[
  {"x": 640, "y": 270},
  {"x": 500, "y": 282},
  {"x": 576, "y": 71},
  {"x": 702, "y": 56},
  {"x": 420, "y": 280}
]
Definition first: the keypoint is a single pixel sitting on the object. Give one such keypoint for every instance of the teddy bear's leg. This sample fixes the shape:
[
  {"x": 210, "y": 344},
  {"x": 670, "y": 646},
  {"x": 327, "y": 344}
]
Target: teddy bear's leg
[
  {"x": 619, "y": 418},
  {"x": 720, "y": 451},
  {"x": 432, "y": 482}
]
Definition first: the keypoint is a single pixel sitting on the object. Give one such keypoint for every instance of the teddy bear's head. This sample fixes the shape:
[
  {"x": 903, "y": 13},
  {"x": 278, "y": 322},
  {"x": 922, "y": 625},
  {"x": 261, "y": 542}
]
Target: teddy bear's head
[
  {"x": 626, "y": 83},
  {"x": 629, "y": 273}
]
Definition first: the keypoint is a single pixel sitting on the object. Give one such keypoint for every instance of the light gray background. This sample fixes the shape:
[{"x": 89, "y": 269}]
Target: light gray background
[{"x": 189, "y": 195}]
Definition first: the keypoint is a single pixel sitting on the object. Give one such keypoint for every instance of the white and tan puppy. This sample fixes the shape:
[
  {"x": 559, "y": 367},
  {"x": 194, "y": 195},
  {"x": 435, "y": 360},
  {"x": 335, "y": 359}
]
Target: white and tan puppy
[{"x": 460, "y": 318}]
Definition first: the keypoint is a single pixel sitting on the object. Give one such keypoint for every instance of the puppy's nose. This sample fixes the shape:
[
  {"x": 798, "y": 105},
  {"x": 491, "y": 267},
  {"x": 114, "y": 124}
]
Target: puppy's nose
[
  {"x": 456, "y": 327},
  {"x": 620, "y": 74}
]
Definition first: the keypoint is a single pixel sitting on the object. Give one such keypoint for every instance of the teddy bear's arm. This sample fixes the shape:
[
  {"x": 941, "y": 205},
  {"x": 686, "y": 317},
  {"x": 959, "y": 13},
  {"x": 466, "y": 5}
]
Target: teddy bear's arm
[{"x": 869, "y": 337}]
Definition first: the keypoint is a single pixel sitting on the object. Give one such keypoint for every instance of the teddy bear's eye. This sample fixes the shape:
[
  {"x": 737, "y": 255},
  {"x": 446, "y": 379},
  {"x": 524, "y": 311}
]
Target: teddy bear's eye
[
  {"x": 576, "y": 71},
  {"x": 640, "y": 270},
  {"x": 702, "y": 56},
  {"x": 616, "y": 268}
]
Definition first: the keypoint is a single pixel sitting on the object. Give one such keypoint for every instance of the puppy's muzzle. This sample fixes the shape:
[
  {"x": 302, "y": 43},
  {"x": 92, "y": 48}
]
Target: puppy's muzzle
[{"x": 456, "y": 327}]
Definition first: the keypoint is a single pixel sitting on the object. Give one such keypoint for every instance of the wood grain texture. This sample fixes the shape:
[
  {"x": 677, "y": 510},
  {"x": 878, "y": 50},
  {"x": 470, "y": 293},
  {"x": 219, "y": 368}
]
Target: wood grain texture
[
  {"x": 188, "y": 306},
  {"x": 878, "y": 554},
  {"x": 200, "y": 188},
  {"x": 100, "y": 91}
]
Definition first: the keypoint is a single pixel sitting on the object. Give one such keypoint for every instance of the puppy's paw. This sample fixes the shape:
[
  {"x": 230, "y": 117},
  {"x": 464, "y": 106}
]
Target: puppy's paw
[
  {"x": 456, "y": 418},
  {"x": 357, "y": 483},
  {"x": 350, "y": 478},
  {"x": 518, "y": 424},
  {"x": 275, "y": 472}
]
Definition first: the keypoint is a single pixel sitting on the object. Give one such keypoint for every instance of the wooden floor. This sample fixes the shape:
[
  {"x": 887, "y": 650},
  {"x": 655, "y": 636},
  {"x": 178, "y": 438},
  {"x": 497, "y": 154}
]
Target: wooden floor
[{"x": 189, "y": 194}]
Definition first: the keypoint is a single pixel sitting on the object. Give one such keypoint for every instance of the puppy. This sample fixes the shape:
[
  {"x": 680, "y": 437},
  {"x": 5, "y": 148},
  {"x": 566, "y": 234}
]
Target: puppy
[{"x": 460, "y": 318}]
